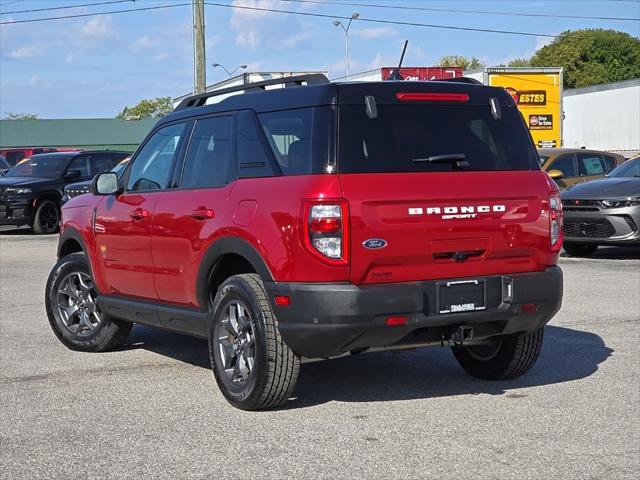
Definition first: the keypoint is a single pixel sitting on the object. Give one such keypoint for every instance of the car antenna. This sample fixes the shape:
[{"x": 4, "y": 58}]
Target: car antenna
[{"x": 395, "y": 75}]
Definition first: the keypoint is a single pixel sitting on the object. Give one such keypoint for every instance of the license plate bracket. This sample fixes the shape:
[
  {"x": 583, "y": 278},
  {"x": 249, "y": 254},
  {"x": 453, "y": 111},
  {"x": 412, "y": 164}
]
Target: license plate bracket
[{"x": 460, "y": 296}]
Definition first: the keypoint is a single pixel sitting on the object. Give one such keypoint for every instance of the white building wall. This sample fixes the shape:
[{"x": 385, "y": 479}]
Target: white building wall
[{"x": 603, "y": 117}]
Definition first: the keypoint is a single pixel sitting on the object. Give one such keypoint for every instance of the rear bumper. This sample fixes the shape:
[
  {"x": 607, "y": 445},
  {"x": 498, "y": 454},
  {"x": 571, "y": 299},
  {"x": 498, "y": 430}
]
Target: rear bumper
[{"x": 326, "y": 320}]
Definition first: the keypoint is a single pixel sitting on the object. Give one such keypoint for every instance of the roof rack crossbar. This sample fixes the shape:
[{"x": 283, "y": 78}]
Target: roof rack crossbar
[{"x": 298, "y": 80}]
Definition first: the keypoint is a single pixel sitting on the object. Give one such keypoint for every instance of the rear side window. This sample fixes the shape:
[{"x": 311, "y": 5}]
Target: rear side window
[
  {"x": 566, "y": 164},
  {"x": 406, "y": 138},
  {"x": 590, "y": 164},
  {"x": 299, "y": 139},
  {"x": 209, "y": 155},
  {"x": 254, "y": 156}
]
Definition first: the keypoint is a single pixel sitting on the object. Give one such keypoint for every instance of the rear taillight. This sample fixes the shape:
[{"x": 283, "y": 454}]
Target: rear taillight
[
  {"x": 326, "y": 230},
  {"x": 555, "y": 222}
]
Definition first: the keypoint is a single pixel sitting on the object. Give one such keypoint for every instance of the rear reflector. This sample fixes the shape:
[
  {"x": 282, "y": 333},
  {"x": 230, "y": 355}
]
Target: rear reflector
[
  {"x": 283, "y": 300},
  {"x": 396, "y": 321},
  {"x": 529, "y": 307},
  {"x": 433, "y": 97}
]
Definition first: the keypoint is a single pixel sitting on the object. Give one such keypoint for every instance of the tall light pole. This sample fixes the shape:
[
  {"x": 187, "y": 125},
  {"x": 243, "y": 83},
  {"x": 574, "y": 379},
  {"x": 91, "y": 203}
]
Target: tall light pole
[
  {"x": 338, "y": 23},
  {"x": 230, "y": 73}
]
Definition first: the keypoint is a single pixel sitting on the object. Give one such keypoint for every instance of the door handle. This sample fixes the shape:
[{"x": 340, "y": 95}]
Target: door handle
[
  {"x": 140, "y": 213},
  {"x": 203, "y": 213}
]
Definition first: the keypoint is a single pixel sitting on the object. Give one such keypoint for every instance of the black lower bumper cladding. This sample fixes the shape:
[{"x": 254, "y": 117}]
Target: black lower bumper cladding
[{"x": 326, "y": 320}]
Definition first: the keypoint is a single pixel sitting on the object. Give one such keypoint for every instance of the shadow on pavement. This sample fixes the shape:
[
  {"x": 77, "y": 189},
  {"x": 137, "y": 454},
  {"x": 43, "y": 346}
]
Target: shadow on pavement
[
  {"x": 610, "y": 253},
  {"x": 567, "y": 355}
]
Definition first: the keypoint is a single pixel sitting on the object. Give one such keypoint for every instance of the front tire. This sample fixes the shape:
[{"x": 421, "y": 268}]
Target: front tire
[
  {"x": 252, "y": 365},
  {"x": 503, "y": 359},
  {"x": 74, "y": 315},
  {"x": 47, "y": 218},
  {"x": 580, "y": 249}
]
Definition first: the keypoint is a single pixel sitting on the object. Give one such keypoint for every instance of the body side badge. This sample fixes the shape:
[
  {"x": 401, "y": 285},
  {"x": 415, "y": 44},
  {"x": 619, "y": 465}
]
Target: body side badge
[{"x": 374, "y": 243}]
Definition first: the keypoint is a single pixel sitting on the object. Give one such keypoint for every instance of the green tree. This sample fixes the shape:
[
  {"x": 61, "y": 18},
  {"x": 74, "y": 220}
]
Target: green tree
[
  {"x": 148, "y": 108},
  {"x": 519, "y": 62},
  {"x": 591, "y": 57},
  {"x": 20, "y": 116},
  {"x": 460, "y": 61}
]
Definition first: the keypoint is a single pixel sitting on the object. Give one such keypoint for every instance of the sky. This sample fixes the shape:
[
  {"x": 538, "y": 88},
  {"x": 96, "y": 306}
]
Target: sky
[{"x": 92, "y": 67}]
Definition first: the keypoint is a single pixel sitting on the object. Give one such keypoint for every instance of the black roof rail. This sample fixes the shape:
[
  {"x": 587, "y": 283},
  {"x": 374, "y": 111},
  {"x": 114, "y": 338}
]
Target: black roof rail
[
  {"x": 470, "y": 80},
  {"x": 201, "y": 99}
]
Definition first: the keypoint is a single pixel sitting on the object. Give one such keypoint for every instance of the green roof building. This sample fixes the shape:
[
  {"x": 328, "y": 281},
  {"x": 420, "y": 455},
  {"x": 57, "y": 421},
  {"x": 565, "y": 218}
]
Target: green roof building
[{"x": 87, "y": 134}]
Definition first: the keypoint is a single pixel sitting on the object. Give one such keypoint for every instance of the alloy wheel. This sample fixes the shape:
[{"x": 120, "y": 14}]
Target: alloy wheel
[
  {"x": 236, "y": 342},
  {"x": 76, "y": 304}
]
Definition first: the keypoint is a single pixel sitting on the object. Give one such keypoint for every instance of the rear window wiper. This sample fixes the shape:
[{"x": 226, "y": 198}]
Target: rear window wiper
[{"x": 458, "y": 159}]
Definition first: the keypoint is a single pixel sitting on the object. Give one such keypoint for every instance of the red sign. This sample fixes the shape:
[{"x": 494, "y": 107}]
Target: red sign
[{"x": 414, "y": 74}]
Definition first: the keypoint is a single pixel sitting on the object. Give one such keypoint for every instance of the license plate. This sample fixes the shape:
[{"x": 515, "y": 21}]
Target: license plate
[{"x": 461, "y": 296}]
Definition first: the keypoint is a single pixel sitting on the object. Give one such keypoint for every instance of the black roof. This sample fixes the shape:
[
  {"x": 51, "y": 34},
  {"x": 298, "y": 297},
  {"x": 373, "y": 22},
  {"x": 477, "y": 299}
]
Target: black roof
[{"x": 328, "y": 93}]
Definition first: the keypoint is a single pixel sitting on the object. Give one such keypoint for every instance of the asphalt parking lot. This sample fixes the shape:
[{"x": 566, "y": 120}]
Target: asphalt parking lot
[{"x": 152, "y": 409}]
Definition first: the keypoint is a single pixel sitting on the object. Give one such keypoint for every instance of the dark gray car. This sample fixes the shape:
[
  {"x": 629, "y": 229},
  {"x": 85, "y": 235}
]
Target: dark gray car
[{"x": 603, "y": 212}]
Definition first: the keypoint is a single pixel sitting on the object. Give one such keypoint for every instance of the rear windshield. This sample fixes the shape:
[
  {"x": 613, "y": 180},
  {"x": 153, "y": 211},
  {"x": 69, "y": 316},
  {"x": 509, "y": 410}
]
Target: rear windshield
[{"x": 430, "y": 138}]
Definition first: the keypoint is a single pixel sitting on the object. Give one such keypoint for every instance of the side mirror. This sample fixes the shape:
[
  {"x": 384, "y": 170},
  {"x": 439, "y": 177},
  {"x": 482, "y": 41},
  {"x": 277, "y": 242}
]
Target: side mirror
[
  {"x": 555, "y": 174},
  {"x": 73, "y": 174},
  {"x": 105, "y": 184}
]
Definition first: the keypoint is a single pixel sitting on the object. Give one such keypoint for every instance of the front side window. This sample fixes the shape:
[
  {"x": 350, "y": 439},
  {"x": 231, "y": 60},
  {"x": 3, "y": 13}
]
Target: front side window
[
  {"x": 609, "y": 163},
  {"x": 566, "y": 164},
  {"x": 80, "y": 164},
  {"x": 100, "y": 162},
  {"x": 209, "y": 156},
  {"x": 153, "y": 165}
]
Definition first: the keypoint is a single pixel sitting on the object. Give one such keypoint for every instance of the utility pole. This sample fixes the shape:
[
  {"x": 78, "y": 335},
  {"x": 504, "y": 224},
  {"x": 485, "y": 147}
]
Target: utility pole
[{"x": 199, "y": 61}]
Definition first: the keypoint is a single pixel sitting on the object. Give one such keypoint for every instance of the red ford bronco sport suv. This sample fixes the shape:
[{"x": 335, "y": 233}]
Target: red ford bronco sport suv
[{"x": 318, "y": 220}]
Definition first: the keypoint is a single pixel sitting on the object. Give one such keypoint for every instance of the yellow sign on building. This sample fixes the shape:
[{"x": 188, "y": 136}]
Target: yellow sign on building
[{"x": 538, "y": 94}]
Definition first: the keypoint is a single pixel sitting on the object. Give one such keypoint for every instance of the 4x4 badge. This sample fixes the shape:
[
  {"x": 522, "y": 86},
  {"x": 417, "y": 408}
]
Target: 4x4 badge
[{"x": 374, "y": 243}]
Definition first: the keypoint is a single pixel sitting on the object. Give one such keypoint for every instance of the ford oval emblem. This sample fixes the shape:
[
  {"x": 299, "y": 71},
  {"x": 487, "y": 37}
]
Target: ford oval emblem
[{"x": 374, "y": 243}]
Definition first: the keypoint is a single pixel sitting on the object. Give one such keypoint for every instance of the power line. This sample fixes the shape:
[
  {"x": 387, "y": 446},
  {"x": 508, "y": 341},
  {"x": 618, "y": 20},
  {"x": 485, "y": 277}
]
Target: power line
[
  {"x": 379, "y": 20},
  {"x": 80, "y": 15},
  {"x": 450, "y": 10},
  {"x": 65, "y": 7}
]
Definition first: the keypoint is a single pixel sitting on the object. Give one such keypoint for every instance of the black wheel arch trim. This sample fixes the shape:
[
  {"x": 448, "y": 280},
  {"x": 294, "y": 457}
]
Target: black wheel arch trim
[
  {"x": 71, "y": 233},
  {"x": 219, "y": 249},
  {"x": 53, "y": 195}
]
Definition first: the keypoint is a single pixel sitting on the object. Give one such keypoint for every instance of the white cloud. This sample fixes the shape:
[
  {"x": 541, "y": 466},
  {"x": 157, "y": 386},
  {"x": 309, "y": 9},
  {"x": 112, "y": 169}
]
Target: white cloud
[
  {"x": 373, "y": 33},
  {"x": 26, "y": 52},
  {"x": 143, "y": 43},
  {"x": 161, "y": 57},
  {"x": 258, "y": 29},
  {"x": 97, "y": 27},
  {"x": 295, "y": 40}
]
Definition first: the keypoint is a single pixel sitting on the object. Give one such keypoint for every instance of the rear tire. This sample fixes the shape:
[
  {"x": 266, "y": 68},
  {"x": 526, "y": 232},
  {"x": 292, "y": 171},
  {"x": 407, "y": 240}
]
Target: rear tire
[
  {"x": 74, "y": 316},
  {"x": 252, "y": 365},
  {"x": 47, "y": 218},
  {"x": 505, "y": 359},
  {"x": 580, "y": 249}
]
